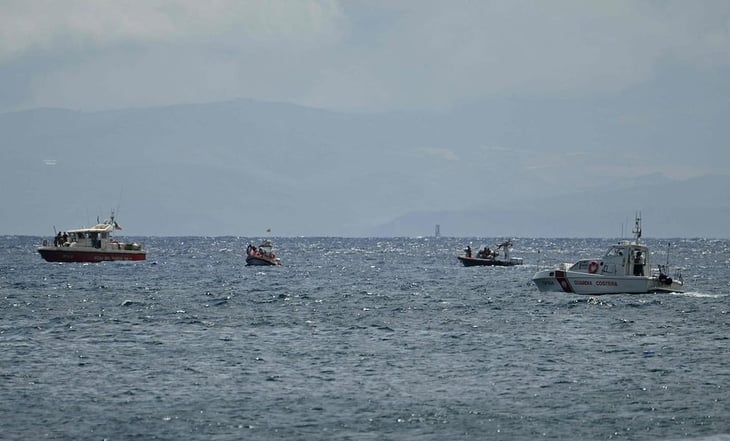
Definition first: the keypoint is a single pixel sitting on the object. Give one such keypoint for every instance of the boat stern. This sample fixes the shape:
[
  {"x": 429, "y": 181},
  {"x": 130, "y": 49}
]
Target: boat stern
[{"x": 666, "y": 284}]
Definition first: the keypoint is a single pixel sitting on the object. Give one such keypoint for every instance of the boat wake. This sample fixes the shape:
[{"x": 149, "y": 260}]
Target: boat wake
[{"x": 699, "y": 294}]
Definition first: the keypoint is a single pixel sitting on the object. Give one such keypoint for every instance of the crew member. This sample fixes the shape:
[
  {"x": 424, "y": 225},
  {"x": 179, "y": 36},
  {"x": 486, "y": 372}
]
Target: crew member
[{"x": 639, "y": 264}]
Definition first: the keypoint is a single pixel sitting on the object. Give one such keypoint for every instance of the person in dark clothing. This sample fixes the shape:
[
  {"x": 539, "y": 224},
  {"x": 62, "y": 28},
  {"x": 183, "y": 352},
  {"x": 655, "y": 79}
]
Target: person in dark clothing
[{"x": 639, "y": 264}]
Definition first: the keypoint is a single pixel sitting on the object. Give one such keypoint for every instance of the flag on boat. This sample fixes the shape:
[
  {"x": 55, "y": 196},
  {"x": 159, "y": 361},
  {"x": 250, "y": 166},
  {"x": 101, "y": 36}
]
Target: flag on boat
[
  {"x": 117, "y": 226},
  {"x": 268, "y": 230}
]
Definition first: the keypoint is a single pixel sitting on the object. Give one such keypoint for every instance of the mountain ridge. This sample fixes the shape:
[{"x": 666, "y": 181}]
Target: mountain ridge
[{"x": 241, "y": 167}]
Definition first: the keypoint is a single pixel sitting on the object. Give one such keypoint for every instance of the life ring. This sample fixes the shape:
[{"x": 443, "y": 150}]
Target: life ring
[{"x": 593, "y": 267}]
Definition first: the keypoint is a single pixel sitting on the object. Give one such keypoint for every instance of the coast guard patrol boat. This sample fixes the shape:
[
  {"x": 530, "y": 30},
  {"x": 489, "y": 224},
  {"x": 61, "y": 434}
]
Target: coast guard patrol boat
[
  {"x": 93, "y": 244},
  {"x": 625, "y": 268}
]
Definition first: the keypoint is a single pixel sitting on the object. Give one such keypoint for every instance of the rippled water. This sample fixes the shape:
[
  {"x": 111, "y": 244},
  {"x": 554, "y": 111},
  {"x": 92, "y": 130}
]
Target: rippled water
[{"x": 357, "y": 339}]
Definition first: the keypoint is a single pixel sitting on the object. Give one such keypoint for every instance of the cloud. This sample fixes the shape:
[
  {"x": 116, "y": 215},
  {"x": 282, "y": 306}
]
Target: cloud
[
  {"x": 106, "y": 54},
  {"x": 451, "y": 52},
  {"x": 361, "y": 55},
  {"x": 30, "y": 25}
]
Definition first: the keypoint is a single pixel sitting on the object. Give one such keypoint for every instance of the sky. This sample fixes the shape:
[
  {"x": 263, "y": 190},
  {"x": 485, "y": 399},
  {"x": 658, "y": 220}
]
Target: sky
[
  {"x": 657, "y": 71},
  {"x": 368, "y": 55}
]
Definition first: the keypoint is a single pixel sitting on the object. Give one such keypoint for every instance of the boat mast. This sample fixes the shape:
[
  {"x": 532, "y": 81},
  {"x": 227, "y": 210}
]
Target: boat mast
[
  {"x": 669, "y": 244},
  {"x": 637, "y": 228}
]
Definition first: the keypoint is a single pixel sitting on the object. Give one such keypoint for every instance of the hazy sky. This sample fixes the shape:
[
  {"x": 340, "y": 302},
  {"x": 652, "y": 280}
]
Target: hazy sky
[
  {"x": 357, "y": 55},
  {"x": 592, "y": 91}
]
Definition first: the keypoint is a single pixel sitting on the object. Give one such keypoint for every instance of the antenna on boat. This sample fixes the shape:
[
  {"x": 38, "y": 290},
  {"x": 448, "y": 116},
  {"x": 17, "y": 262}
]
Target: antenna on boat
[
  {"x": 669, "y": 244},
  {"x": 637, "y": 227},
  {"x": 119, "y": 201}
]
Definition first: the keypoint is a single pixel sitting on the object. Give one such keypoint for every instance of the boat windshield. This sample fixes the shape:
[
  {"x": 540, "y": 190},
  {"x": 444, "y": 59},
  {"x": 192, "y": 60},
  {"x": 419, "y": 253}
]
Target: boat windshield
[
  {"x": 614, "y": 251},
  {"x": 581, "y": 265}
]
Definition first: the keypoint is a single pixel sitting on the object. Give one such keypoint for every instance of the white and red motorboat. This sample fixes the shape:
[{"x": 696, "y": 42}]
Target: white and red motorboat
[
  {"x": 94, "y": 244},
  {"x": 262, "y": 256},
  {"x": 625, "y": 268}
]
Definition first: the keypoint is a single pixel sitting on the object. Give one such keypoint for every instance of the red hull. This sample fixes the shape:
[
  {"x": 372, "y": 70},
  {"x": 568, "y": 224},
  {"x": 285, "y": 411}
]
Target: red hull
[{"x": 64, "y": 255}]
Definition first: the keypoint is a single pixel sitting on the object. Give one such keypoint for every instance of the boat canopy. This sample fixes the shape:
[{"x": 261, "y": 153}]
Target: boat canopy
[{"x": 98, "y": 228}]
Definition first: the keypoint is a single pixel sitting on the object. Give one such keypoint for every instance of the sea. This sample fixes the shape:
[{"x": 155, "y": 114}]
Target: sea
[{"x": 358, "y": 339}]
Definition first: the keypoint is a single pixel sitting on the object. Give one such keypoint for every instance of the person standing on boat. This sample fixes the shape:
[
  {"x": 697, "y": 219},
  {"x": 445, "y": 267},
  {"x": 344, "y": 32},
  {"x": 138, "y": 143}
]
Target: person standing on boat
[
  {"x": 639, "y": 264},
  {"x": 468, "y": 251}
]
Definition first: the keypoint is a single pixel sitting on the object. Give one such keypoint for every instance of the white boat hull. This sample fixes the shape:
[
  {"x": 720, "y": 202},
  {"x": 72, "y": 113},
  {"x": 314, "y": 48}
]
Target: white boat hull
[{"x": 597, "y": 284}]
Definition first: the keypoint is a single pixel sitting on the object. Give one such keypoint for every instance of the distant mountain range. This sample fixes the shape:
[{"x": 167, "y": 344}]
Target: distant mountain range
[
  {"x": 242, "y": 167},
  {"x": 704, "y": 212}
]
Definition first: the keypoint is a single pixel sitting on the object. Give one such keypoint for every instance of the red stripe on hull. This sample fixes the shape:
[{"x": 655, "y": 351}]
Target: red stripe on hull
[
  {"x": 88, "y": 256},
  {"x": 560, "y": 277}
]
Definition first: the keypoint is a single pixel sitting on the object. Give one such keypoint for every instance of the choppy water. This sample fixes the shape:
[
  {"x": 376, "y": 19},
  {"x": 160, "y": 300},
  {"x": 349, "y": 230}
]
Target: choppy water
[{"x": 362, "y": 339}]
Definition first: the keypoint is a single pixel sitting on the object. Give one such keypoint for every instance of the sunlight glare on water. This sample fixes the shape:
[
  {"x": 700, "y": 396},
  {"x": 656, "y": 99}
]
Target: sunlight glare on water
[{"x": 356, "y": 339}]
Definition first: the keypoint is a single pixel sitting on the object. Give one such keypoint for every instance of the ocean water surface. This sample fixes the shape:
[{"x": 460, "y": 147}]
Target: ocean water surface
[{"x": 357, "y": 339}]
